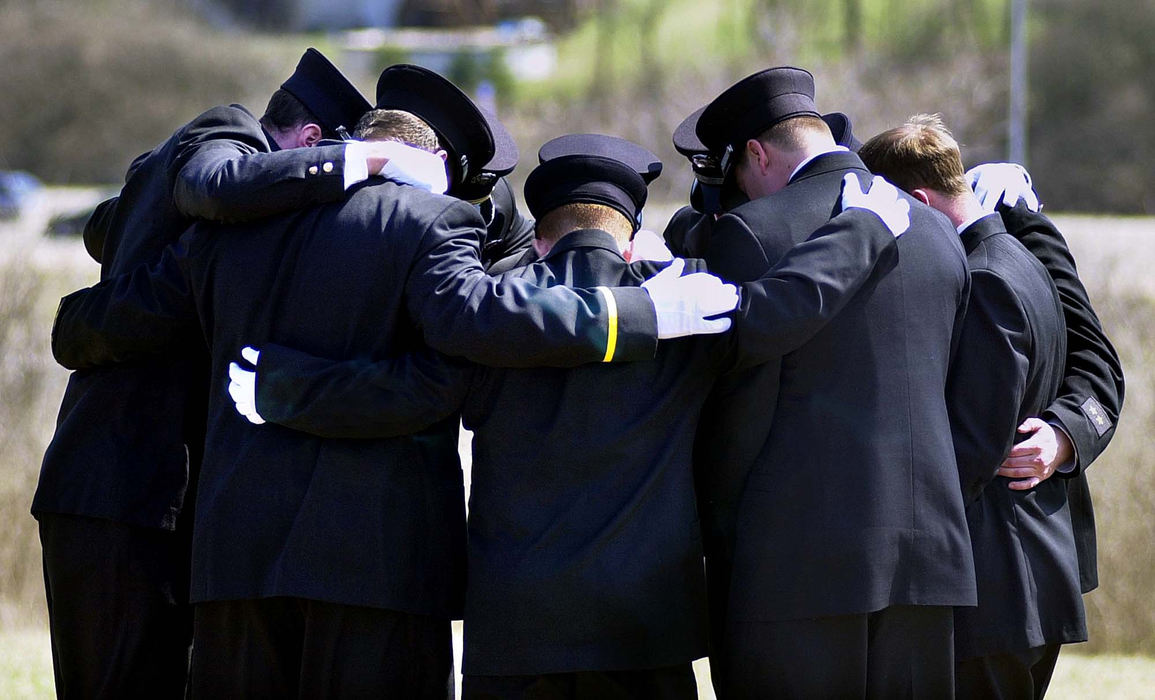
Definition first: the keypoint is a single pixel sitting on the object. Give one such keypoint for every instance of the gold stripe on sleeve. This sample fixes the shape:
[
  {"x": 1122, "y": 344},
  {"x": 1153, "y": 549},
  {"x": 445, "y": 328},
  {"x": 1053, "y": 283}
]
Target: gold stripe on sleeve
[{"x": 612, "y": 323}]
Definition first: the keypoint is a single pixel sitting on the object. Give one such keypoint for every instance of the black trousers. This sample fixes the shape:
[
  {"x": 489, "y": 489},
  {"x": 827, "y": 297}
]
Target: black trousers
[
  {"x": 118, "y": 614},
  {"x": 1016, "y": 676},
  {"x": 897, "y": 652},
  {"x": 669, "y": 683},
  {"x": 296, "y": 648}
]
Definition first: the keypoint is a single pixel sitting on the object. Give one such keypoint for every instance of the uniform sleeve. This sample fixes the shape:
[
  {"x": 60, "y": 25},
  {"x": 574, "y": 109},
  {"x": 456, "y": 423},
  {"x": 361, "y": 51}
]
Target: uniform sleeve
[
  {"x": 224, "y": 171},
  {"x": 508, "y": 321},
  {"x": 128, "y": 317},
  {"x": 1091, "y": 394},
  {"x": 97, "y": 227},
  {"x": 987, "y": 380},
  {"x": 358, "y": 398},
  {"x": 733, "y": 250},
  {"x": 784, "y": 308}
]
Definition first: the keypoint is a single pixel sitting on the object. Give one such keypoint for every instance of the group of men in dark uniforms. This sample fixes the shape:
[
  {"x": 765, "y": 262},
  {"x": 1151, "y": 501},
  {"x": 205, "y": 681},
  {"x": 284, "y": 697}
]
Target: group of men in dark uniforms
[{"x": 265, "y": 411}]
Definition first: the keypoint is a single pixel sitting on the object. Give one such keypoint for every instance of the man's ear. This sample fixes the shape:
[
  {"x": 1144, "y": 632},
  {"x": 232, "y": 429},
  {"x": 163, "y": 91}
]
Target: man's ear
[
  {"x": 756, "y": 155},
  {"x": 921, "y": 195},
  {"x": 309, "y": 135},
  {"x": 443, "y": 155}
]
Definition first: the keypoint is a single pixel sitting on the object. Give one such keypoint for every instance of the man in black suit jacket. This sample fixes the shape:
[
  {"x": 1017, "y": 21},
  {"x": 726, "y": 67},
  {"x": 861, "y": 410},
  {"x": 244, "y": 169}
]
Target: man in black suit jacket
[
  {"x": 308, "y": 554},
  {"x": 1008, "y": 367},
  {"x": 718, "y": 460},
  {"x": 117, "y": 480},
  {"x": 851, "y": 542},
  {"x": 584, "y": 559},
  {"x": 1071, "y": 433}
]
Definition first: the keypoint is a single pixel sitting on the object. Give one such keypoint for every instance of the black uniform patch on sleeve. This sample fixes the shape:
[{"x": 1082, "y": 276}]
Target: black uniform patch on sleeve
[{"x": 1095, "y": 413}]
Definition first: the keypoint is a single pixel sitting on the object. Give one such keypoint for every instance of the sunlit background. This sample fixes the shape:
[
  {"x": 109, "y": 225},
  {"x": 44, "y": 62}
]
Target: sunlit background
[{"x": 87, "y": 86}]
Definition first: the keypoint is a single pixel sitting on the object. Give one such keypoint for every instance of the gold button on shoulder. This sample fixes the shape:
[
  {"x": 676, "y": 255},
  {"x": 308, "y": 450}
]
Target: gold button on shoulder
[
  {"x": 327, "y": 167},
  {"x": 312, "y": 170}
]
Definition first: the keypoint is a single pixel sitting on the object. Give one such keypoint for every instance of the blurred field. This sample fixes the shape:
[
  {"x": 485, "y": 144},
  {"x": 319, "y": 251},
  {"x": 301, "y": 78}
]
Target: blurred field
[
  {"x": 1115, "y": 257},
  {"x": 26, "y": 672}
]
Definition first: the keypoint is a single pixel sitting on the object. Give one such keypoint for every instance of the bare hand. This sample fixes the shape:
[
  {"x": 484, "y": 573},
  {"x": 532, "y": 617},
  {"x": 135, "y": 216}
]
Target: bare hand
[{"x": 1033, "y": 461}]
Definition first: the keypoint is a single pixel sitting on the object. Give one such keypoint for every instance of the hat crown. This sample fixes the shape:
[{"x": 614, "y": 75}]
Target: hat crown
[
  {"x": 326, "y": 92},
  {"x": 591, "y": 168},
  {"x": 754, "y": 104},
  {"x": 463, "y": 129}
]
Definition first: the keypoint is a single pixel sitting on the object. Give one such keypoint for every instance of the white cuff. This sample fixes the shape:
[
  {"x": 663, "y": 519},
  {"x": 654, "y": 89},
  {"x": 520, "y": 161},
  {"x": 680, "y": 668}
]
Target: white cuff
[{"x": 356, "y": 162}]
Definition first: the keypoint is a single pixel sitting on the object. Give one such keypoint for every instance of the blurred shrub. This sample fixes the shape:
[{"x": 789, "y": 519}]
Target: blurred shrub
[
  {"x": 88, "y": 86},
  {"x": 1120, "y": 615},
  {"x": 30, "y": 389},
  {"x": 1092, "y": 96}
]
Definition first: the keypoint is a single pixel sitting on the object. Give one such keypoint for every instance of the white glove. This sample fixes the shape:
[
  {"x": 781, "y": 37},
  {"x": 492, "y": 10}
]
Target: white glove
[
  {"x": 881, "y": 198},
  {"x": 1005, "y": 182},
  {"x": 412, "y": 166},
  {"x": 243, "y": 385},
  {"x": 648, "y": 245},
  {"x": 682, "y": 303}
]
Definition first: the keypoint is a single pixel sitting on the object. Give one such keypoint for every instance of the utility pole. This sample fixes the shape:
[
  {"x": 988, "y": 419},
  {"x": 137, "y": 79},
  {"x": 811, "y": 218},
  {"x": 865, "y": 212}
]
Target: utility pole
[{"x": 1017, "y": 136}]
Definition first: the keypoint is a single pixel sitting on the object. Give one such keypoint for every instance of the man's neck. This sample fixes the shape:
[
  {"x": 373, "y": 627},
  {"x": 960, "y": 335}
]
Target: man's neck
[
  {"x": 962, "y": 210},
  {"x": 813, "y": 153}
]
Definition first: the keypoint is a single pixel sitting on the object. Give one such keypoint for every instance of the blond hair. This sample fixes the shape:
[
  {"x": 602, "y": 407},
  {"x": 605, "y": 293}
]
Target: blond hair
[
  {"x": 397, "y": 125},
  {"x": 920, "y": 154},
  {"x": 580, "y": 215}
]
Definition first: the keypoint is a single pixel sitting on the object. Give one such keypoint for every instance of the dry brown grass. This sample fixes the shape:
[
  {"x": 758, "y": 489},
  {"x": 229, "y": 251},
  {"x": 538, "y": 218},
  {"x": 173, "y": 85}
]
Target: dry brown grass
[{"x": 1114, "y": 256}]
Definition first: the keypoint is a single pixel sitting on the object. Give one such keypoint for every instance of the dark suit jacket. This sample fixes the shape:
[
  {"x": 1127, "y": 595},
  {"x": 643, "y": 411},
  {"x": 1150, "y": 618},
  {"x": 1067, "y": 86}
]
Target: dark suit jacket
[
  {"x": 584, "y": 551},
  {"x": 280, "y": 513},
  {"x": 1008, "y": 367},
  {"x": 1091, "y": 394},
  {"x": 851, "y": 503},
  {"x": 127, "y": 436}
]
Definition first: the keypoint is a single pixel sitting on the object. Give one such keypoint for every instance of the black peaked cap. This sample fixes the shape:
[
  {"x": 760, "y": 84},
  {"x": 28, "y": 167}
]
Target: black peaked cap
[
  {"x": 462, "y": 128},
  {"x": 687, "y": 143},
  {"x": 686, "y": 139},
  {"x": 754, "y": 104},
  {"x": 840, "y": 128},
  {"x": 479, "y": 185},
  {"x": 594, "y": 169},
  {"x": 647, "y": 165},
  {"x": 328, "y": 94}
]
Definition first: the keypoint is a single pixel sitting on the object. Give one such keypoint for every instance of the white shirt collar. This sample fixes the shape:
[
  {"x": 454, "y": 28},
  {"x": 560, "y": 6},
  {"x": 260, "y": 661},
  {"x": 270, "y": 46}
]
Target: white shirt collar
[
  {"x": 831, "y": 149},
  {"x": 967, "y": 224}
]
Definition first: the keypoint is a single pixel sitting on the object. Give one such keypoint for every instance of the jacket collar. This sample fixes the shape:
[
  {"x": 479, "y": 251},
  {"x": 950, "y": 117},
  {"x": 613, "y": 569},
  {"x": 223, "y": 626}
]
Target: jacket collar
[
  {"x": 584, "y": 238},
  {"x": 829, "y": 162},
  {"x": 981, "y": 230}
]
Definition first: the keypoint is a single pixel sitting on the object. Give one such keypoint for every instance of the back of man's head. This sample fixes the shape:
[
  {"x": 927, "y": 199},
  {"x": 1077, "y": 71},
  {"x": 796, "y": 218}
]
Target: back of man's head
[
  {"x": 920, "y": 154},
  {"x": 397, "y": 125},
  {"x": 285, "y": 112},
  {"x": 799, "y": 134},
  {"x": 583, "y": 215}
]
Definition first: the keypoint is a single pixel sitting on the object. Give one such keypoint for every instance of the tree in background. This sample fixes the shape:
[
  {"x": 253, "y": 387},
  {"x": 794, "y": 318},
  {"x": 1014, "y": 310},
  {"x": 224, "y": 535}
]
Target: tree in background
[
  {"x": 1091, "y": 142},
  {"x": 88, "y": 86}
]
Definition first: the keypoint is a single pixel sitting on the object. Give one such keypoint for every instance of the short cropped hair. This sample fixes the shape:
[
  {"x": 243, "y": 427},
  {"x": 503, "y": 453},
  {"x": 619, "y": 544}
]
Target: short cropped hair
[
  {"x": 921, "y": 153},
  {"x": 788, "y": 135},
  {"x": 286, "y": 112},
  {"x": 397, "y": 125},
  {"x": 581, "y": 215}
]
